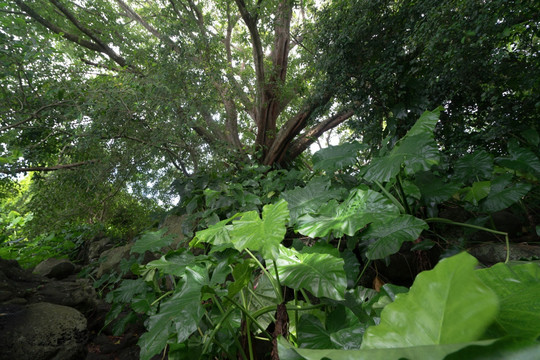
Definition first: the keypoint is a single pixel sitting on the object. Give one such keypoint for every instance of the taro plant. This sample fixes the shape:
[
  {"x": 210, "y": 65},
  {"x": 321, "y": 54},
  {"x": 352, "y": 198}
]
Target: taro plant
[{"x": 284, "y": 281}]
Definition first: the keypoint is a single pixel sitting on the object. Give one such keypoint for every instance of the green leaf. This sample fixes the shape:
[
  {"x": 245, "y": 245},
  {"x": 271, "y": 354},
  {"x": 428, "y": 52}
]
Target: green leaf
[
  {"x": 310, "y": 198},
  {"x": 263, "y": 235},
  {"x": 416, "y": 151},
  {"x": 312, "y": 334},
  {"x": 518, "y": 289},
  {"x": 174, "y": 263},
  {"x": 178, "y": 315},
  {"x": 500, "y": 198},
  {"x": 477, "y": 350},
  {"x": 386, "y": 238},
  {"x": 242, "y": 274},
  {"x": 321, "y": 274},
  {"x": 152, "y": 241},
  {"x": 476, "y": 192},
  {"x": 361, "y": 208},
  {"x": 338, "y": 157},
  {"x": 434, "y": 189},
  {"x": 128, "y": 289},
  {"x": 531, "y": 136},
  {"x": 520, "y": 159},
  {"x": 475, "y": 166},
  {"x": 216, "y": 234},
  {"x": 446, "y": 305}
]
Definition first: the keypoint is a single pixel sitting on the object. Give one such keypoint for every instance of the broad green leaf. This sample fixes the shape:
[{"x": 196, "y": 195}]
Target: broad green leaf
[
  {"x": 476, "y": 192},
  {"x": 242, "y": 274},
  {"x": 501, "y": 199},
  {"x": 338, "y": 157},
  {"x": 504, "y": 349},
  {"x": 474, "y": 167},
  {"x": 128, "y": 289},
  {"x": 520, "y": 159},
  {"x": 434, "y": 189},
  {"x": 310, "y": 198},
  {"x": 174, "y": 263},
  {"x": 263, "y": 235},
  {"x": 321, "y": 274},
  {"x": 518, "y": 289},
  {"x": 426, "y": 123},
  {"x": 361, "y": 208},
  {"x": 446, "y": 305},
  {"x": 386, "y": 238},
  {"x": 416, "y": 151},
  {"x": 531, "y": 135},
  {"x": 216, "y": 234},
  {"x": 152, "y": 241},
  {"x": 312, "y": 334},
  {"x": 342, "y": 330},
  {"x": 179, "y": 315}
]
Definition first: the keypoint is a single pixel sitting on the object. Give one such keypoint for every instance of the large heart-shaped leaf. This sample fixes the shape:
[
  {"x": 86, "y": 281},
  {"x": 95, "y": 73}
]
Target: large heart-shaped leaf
[
  {"x": 475, "y": 166},
  {"x": 310, "y": 198},
  {"x": 174, "y": 263},
  {"x": 361, "y": 208},
  {"x": 478, "y": 191},
  {"x": 263, "y": 235},
  {"x": 518, "y": 288},
  {"x": 434, "y": 189},
  {"x": 446, "y": 305},
  {"x": 520, "y": 159},
  {"x": 503, "y": 349},
  {"x": 180, "y": 314},
  {"x": 152, "y": 241},
  {"x": 416, "y": 151},
  {"x": 216, "y": 234},
  {"x": 321, "y": 274},
  {"x": 386, "y": 237},
  {"x": 501, "y": 197},
  {"x": 338, "y": 157}
]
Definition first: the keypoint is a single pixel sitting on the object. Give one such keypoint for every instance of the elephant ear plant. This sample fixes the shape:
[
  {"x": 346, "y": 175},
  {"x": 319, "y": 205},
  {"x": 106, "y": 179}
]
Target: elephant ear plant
[{"x": 283, "y": 282}]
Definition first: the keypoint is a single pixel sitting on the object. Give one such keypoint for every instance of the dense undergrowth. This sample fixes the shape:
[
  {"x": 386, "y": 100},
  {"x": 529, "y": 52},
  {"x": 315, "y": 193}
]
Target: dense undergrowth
[
  {"x": 276, "y": 259},
  {"x": 281, "y": 262}
]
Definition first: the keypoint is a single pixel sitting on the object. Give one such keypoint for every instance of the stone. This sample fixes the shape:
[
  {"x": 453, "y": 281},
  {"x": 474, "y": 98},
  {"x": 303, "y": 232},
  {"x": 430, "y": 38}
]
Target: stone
[
  {"x": 42, "y": 331},
  {"x": 55, "y": 268},
  {"x": 492, "y": 253},
  {"x": 173, "y": 224},
  {"x": 111, "y": 259}
]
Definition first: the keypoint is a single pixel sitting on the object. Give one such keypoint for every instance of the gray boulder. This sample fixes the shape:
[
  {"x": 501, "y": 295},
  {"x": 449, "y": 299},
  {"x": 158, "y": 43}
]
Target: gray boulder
[
  {"x": 111, "y": 259},
  {"x": 55, "y": 268},
  {"x": 42, "y": 331}
]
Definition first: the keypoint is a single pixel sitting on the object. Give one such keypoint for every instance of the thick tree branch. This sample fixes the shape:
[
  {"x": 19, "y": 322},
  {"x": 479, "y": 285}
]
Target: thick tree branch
[
  {"x": 291, "y": 129},
  {"x": 105, "y": 48},
  {"x": 32, "y": 116},
  {"x": 49, "y": 168},
  {"x": 310, "y": 136},
  {"x": 133, "y": 15}
]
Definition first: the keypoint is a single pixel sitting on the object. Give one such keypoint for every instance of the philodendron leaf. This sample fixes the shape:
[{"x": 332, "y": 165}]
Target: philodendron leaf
[
  {"x": 387, "y": 237},
  {"x": 503, "y": 349},
  {"x": 263, "y": 235},
  {"x": 361, "y": 208},
  {"x": 518, "y": 288},
  {"x": 501, "y": 197},
  {"x": 446, "y": 305},
  {"x": 321, "y": 274},
  {"x": 180, "y": 314},
  {"x": 478, "y": 191},
  {"x": 310, "y": 198},
  {"x": 152, "y": 241},
  {"x": 216, "y": 234},
  {"x": 520, "y": 159},
  {"x": 416, "y": 151},
  {"x": 478, "y": 165},
  {"x": 174, "y": 263},
  {"x": 338, "y": 157}
]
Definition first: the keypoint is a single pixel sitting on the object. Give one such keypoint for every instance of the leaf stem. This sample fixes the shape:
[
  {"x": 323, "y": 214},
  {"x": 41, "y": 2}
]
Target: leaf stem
[
  {"x": 391, "y": 197},
  {"x": 275, "y": 285},
  {"x": 450, "y": 222},
  {"x": 362, "y": 273}
]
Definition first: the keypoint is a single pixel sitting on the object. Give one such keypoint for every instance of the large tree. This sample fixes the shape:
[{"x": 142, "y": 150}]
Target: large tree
[
  {"x": 395, "y": 59},
  {"x": 179, "y": 82}
]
